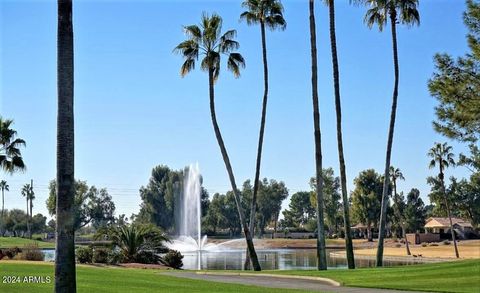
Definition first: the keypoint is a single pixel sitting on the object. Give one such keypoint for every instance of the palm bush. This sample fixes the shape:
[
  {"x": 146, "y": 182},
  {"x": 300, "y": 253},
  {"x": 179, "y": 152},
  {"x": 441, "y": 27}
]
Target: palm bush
[
  {"x": 173, "y": 259},
  {"x": 136, "y": 243}
]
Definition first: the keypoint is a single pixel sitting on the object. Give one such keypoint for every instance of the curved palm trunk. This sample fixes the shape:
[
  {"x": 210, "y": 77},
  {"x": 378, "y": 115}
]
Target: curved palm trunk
[
  {"x": 226, "y": 160},
  {"x": 3, "y": 202},
  {"x": 447, "y": 206},
  {"x": 338, "y": 110},
  {"x": 65, "y": 280},
  {"x": 383, "y": 211},
  {"x": 253, "y": 207},
  {"x": 321, "y": 253}
]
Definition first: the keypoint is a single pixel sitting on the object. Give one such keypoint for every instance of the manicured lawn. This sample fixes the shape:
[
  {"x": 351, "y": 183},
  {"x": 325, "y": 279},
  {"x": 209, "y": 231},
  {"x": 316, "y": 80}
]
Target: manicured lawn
[
  {"x": 8, "y": 242},
  {"x": 112, "y": 279},
  {"x": 457, "y": 276}
]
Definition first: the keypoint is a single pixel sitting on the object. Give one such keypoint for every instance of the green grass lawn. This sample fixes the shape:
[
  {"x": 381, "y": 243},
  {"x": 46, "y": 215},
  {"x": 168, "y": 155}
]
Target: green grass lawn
[
  {"x": 8, "y": 242},
  {"x": 456, "y": 276},
  {"x": 112, "y": 279}
]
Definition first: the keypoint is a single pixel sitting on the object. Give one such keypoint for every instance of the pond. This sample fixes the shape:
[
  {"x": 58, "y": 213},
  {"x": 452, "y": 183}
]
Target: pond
[{"x": 270, "y": 259}]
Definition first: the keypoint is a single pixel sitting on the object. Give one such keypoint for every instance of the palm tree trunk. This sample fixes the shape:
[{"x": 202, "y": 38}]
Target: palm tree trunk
[
  {"x": 28, "y": 218},
  {"x": 338, "y": 110},
  {"x": 321, "y": 253},
  {"x": 447, "y": 206},
  {"x": 31, "y": 218},
  {"x": 404, "y": 234},
  {"x": 226, "y": 159},
  {"x": 386, "y": 183},
  {"x": 260, "y": 139},
  {"x": 3, "y": 202},
  {"x": 65, "y": 280}
]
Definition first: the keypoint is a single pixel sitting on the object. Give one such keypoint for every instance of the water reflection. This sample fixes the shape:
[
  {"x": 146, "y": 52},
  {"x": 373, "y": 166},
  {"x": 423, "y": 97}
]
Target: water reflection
[{"x": 274, "y": 259}]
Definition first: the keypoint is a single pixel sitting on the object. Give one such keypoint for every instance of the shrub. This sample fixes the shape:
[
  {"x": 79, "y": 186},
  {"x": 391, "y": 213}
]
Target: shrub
[
  {"x": 446, "y": 242},
  {"x": 147, "y": 257},
  {"x": 100, "y": 255},
  {"x": 32, "y": 252},
  {"x": 173, "y": 259},
  {"x": 398, "y": 245},
  {"x": 11, "y": 252},
  {"x": 39, "y": 239},
  {"x": 424, "y": 244},
  {"x": 84, "y": 254},
  {"x": 114, "y": 257},
  {"x": 433, "y": 244}
]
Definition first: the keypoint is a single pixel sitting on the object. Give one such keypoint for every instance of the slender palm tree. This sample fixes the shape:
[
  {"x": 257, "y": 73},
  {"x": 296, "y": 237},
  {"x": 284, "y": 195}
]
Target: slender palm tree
[
  {"x": 4, "y": 187},
  {"x": 267, "y": 13},
  {"x": 378, "y": 13},
  {"x": 26, "y": 190},
  {"x": 65, "y": 280},
  {"x": 207, "y": 40},
  {"x": 321, "y": 253},
  {"x": 341, "y": 158},
  {"x": 31, "y": 197},
  {"x": 11, "y": 160},
  {"x": 442, "y": 157},
  {"x": 396, "y": 174}
]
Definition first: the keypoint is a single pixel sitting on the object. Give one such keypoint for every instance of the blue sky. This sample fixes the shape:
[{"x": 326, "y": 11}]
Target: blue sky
[{"x": 134, "y": 111}]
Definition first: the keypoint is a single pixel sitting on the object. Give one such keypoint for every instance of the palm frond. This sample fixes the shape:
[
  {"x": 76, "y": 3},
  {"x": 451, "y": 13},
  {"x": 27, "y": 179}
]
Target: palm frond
[{"x": 235, "y": 62}]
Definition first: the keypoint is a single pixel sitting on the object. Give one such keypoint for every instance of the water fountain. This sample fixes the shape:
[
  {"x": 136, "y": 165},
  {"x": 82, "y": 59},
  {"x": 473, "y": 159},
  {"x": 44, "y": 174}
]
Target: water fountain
[{"x": 188, "y": 215}]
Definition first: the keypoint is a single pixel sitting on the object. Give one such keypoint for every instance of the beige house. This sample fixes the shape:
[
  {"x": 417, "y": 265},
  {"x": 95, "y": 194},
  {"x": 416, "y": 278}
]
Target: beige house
[{"x": 438, "y": 225}]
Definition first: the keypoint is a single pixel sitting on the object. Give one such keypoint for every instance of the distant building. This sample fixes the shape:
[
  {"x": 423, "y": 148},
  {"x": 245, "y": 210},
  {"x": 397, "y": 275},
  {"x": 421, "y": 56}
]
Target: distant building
[{"x": 436, "y": 225}]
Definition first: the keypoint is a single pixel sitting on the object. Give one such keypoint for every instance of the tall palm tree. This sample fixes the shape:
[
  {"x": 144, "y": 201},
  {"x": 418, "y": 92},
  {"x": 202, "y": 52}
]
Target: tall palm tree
[
  {"x": 11, "y": 160},
  {"x": 379, "y": 12},
  {"x": 65, "y": 280},
  {"x": 442, "y": 157},
  {"x": 321, "y": 253},
  {"x": 207, "y": 40},
  {"x": 267, "y": 13},
  {"x": 396, "y": 174},
  {"x": 341, "y": 159},
  {"x": 4, "y": 187},
  {"x": 26, "y": 190},
  {"x": 31, "y": 197}
]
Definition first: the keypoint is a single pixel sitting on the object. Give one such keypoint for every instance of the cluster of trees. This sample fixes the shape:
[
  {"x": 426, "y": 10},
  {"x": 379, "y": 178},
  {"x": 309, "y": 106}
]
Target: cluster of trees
[
  {"x": 160, "y": 203},
  {"x": 17, "y": 223}
]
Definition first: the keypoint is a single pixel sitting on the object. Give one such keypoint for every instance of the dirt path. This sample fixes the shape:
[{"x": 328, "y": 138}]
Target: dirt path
[{"x": 270, "y": 281}]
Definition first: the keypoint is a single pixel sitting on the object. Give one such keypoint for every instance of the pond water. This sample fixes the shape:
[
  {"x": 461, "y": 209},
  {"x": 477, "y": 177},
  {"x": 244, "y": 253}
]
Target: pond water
[{"x": 270, "y": 259}]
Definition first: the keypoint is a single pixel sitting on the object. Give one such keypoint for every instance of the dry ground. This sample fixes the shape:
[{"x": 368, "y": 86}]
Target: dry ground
[{"x": 468, "y": 249}]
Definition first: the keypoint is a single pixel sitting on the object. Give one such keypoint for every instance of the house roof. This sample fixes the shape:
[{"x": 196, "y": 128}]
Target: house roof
[{"x": 437, "y": 222}]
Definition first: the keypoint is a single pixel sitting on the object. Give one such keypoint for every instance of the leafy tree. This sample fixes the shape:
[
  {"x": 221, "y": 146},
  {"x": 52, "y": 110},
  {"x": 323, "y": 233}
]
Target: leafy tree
[
  {"x": 65, "y": 280},
  {"x": 270, "y": 197},
  {"x": 38, "y": 223},
  {"x": 222, "y": 213},
  {"x": 379, "y": 13},
  {"x": 331, "y": 199},
  {"x": 11, "y": 160},
  {"x": 207, "y": 40},
  {"x": 456, "y": 85},
  {"x": 300, "y": 210},
  {"x": 415, "y": 213},
  {"x": 341, "y": 157},
  {"x": 16, "y": 222},
  {"x": 92, "y": 206},
  {"x": 366, "y": 199},
  {"x": 442, "y": 156},
  {"x": 267, "y": 13}
]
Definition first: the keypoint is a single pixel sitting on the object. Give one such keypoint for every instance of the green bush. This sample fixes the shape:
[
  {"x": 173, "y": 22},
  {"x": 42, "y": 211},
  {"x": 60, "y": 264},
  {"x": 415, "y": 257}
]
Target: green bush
[
  {"x": 11, "y": 252},
  {"x": 173, "y": 259},
  {"x": 147, "y": 257},
  {"x": 39, "y": 239},
  {"x": 446, "y": 242},
  {"x": 398, "y": 245},
  {"x": 115, "y": 257},
  {"x": 84, "y": 254},
  {"x": 100, "y": 255},
  {"x": 32, "y": 252},
  {"x": 433, "y": 244}
]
